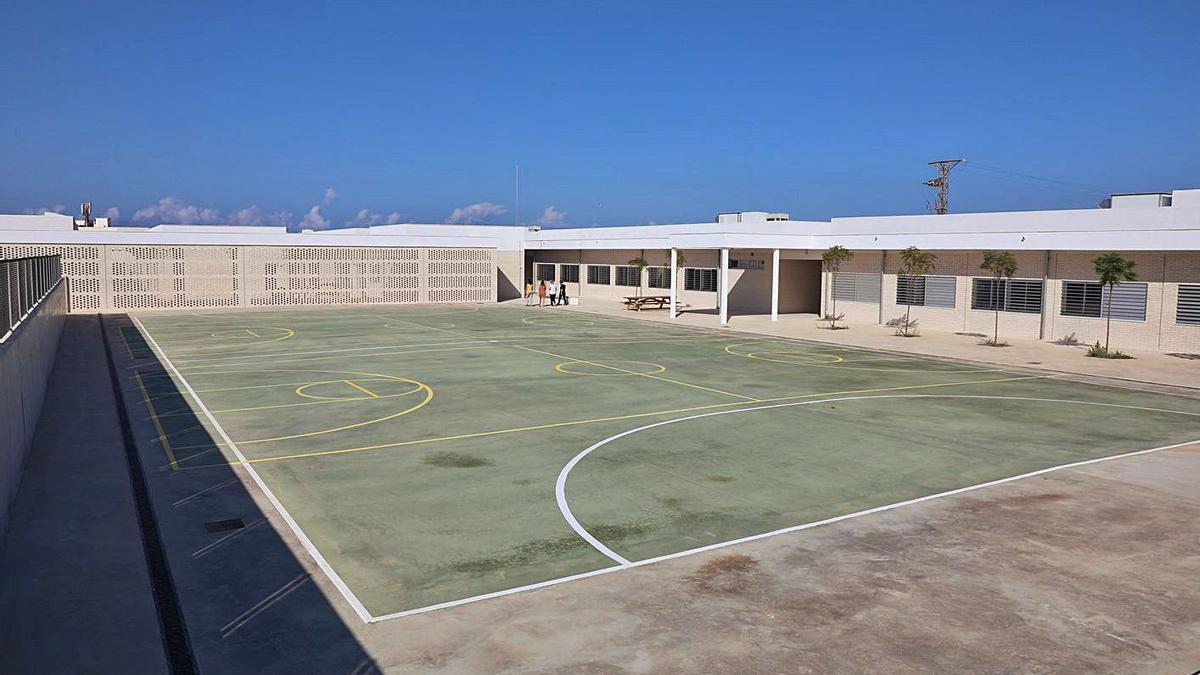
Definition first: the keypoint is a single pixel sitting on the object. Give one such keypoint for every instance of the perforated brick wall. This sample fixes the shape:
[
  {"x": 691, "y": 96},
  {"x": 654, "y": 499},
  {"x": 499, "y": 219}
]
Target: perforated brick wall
[{"x": 118, "y": 277}]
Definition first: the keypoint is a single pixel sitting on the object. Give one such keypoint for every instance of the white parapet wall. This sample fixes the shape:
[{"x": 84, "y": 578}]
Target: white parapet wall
[
  {"x": 26, "y": 359},
  {"x": 144, "y": 276}
]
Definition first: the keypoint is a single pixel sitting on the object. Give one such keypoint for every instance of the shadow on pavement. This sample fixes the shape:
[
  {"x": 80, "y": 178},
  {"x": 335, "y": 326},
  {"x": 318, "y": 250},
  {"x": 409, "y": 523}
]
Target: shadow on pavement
[{"x": 249, "y": 603}]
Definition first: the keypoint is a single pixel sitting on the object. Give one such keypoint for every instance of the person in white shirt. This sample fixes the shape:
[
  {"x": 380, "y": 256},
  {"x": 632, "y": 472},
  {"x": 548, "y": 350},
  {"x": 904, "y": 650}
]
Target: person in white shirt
[{"x": 552, "y": 291}]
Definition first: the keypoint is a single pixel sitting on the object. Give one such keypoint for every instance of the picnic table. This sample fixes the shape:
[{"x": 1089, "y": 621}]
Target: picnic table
[{"x": 638, "y": 302}]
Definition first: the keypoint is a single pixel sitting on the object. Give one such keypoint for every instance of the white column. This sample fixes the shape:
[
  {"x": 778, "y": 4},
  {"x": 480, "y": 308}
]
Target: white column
[
  {"x": 775, "y": 285},
  {"x": 674, "y": 264},
  {"x": 724, "y": 278}
]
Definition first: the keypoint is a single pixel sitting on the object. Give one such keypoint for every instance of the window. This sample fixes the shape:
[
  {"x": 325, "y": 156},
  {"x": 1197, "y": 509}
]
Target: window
[
  {"x": 628, "y": 276},
  {"x": 660, "y": 277},
  {"x": 569, "y": 273},
  {"x": 599, "y": 274},
  {"x": 545, "y": 271},
  {"x": 940, "y": 291},
  {"x": 1187, "y": 307},
  {"x": 910, "y": 290},
  {"x": 1010, "y": 295},
  {"x": 1128, "y": 301},
  {"x": 1089, "y": 298},
  {"x": 1081, "y": 298},
  {"x": 700, "y": 279},
  {"x": 857, "y": 287}
]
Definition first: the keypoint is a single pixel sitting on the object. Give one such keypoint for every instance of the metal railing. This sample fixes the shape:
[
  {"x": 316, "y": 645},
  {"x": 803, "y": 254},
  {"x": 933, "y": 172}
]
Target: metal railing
[{"x": 23, "y": 284}]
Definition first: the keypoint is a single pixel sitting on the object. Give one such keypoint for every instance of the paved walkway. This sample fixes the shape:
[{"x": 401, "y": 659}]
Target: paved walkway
[
  {"x": 1146, "y": 367},
  {"x": 74, "y": 591}
]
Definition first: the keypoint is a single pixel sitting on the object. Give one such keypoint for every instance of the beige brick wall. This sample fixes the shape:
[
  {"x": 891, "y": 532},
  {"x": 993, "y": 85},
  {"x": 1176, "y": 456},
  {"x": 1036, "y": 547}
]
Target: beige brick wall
[
  {"x": 1162, "y": 272},
  {"x": 751, "y": 293}
]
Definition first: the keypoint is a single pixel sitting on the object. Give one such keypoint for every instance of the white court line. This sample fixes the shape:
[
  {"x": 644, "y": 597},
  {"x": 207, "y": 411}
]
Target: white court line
[
  {"x": 363, "y": 614},
  {"x": 262, "y": 485},
  {"x": 332, "y": 351},
  {"x": 565, "y": 508},
  {"x": 197, "y": 363},
  {"x": 764, "y": 535}
]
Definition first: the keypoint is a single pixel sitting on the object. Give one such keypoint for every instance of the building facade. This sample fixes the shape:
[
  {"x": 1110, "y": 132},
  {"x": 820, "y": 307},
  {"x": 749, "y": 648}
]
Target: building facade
[{"x": 744, "y": 263}]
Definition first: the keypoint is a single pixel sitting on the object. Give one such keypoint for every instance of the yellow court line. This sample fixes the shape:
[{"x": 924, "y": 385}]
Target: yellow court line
[
  {"x": 162, "y": 434},
  {"x": 444, "y": 330},
  {"x": 223, "y": 389},
  {"x": 189, "y": 411},
  {"x": 756, "y": 356},
  {"x": 420, "y": 387},
  {"x": 253, "y": 333},
  {"x": 555, "y": 425},
  {"x": 251, "y": 362},
  {"x": 634, "y": 372},
  {"x": 362, "y": 389}
]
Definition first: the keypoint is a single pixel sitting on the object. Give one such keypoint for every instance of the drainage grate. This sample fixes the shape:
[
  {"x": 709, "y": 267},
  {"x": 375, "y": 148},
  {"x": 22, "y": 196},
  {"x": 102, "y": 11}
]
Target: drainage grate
[
  {"x": 224, "y": 525},
  {"x": 1189, "y": 357}
]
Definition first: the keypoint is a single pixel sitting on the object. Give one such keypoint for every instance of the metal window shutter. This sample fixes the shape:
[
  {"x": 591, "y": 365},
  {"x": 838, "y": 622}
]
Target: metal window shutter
[
  {"x": 867, "y": 287},
  {"x": 1023, "y": 296},
  {"x": 1187, "y": 307},
  {"x": 1128, "y": 301},
  {"x": 1081, "y": 298},
  {"x": 940, "y": 291},
  {"x": 843, "y": 286}
]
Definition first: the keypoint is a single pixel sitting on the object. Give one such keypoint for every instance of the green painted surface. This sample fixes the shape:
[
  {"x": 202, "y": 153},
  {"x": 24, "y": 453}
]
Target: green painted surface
[{"x": 418, "y": 447}]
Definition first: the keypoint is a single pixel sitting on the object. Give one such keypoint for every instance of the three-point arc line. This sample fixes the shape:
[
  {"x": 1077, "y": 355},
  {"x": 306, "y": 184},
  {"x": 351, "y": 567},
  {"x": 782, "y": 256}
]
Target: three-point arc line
[{"x": 560, "y": 486}]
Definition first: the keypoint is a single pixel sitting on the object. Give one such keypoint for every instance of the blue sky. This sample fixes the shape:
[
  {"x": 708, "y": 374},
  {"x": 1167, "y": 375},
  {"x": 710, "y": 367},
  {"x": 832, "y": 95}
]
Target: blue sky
[{"x": 618, "y": 112}]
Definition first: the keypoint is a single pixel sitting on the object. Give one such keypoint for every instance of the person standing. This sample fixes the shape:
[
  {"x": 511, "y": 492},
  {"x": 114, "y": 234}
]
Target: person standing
[
  {"x": 562, "y": 294},
  {"x": 541, "y": 293},
  {"x": 528, "y": 292},
  {"x": 552, "y": 291}
]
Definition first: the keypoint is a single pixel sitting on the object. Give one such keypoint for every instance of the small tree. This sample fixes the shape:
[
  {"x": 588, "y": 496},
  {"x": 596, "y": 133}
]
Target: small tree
[
  {"x": 914, "y": 263},
  {"x": 641, "y": 264},
  {"x": 831, "y": 261},
  {"x": 1000, "y": 264},
  {"x": 1112, "y": 270}
]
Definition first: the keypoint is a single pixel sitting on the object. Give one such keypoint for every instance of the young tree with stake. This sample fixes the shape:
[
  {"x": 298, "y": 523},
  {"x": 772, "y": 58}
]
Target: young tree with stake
[
  {"x": 1000, "y": 264},
  {"x": 641, "y": 264},
  {"x": 914, "y": 263},
  {"x": 832, "y": 260},
  {"x": 1112, "y": 270}
]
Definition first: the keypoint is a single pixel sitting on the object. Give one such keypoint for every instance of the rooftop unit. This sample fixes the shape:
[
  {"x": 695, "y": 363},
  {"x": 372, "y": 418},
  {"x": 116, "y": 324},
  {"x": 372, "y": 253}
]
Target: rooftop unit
[
  {"x": 752, "y": 217},
  {"x": 1137, "y": 200}
]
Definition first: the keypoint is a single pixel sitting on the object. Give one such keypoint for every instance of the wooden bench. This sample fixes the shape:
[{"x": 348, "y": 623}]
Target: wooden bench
[{"x": 638, "y": 303}]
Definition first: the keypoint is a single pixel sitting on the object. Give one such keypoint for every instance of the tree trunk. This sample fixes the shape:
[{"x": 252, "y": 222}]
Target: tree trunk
[
  {"x": 833, "y": 304},
  {"x": 907, "y": 312},
  {"x": 1108, "y": 319},
  {"x": 996, "y": 330}
]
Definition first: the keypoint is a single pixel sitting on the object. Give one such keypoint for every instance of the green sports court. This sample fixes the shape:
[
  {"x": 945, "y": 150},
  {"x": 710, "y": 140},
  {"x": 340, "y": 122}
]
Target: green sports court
[{"x": 434, "y": 455}]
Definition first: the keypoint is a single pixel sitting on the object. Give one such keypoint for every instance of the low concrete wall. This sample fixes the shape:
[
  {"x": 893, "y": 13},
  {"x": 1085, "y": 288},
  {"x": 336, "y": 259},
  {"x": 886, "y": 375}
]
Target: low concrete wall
[{"x": 26, "y": 358}]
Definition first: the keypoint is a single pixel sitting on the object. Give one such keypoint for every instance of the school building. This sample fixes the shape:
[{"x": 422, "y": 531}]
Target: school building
[{"x": 742, "y": 263}]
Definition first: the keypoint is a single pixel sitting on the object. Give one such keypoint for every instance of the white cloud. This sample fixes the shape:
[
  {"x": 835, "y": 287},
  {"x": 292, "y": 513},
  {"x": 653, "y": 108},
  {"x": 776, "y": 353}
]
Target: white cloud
[
  {"x": 552, "y": 217},
  {"x": 367, "y": 218},
  {"x": 57, "y": 208},
  {"x": 313, "y": 220},
  {"x": 113, "y": 213},
  {"x": 330, "y": 195},
  {"x": 253, "y": 215},
  {"x": 476, "y": 213},
  {"x": 171, "y": 210}
]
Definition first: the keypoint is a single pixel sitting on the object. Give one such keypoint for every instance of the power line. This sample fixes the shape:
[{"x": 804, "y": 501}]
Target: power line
[
  {"x": 998, "y": 169},
  {"x": 1060, "y": 189}
]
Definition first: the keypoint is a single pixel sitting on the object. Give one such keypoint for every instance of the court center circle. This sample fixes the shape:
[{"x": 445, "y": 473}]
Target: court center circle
[
  {"x": 359, "y": 388},
  {"x": 610, "y": 368},
  {"x": 269, "y": 333}
]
